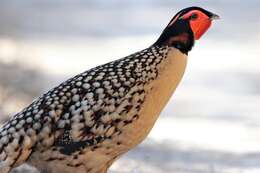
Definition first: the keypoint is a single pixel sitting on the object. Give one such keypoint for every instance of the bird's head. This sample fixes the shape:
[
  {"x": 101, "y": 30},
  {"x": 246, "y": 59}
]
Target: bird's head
[{"x": 185, "y": 27}]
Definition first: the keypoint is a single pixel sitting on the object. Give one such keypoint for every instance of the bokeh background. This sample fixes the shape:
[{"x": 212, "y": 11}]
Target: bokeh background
[{"x": 211, "y": 125}]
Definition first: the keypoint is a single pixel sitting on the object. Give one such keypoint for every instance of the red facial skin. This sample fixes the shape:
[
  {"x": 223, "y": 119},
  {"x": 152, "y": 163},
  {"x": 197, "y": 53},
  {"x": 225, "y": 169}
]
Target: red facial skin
[{"x": 200, "y": 24}]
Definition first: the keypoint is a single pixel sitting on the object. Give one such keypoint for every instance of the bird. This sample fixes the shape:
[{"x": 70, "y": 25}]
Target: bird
[{"x": 87, "y": 122}]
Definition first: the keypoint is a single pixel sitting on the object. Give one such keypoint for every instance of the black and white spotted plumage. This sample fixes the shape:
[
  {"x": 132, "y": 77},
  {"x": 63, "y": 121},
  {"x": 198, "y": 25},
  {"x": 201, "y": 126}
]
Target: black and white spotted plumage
[{"x": 82, "y": 112}]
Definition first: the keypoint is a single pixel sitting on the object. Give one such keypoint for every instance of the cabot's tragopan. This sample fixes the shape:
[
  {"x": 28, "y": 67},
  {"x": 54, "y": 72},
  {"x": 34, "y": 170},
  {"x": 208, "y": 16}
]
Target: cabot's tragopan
[{"x": 87, "y": 122}]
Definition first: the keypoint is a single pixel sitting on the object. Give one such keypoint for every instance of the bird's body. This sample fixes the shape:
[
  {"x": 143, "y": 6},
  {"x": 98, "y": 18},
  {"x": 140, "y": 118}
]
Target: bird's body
[
  {"x": 109, "y": 110},
  {"x": 88, "y": 121}
]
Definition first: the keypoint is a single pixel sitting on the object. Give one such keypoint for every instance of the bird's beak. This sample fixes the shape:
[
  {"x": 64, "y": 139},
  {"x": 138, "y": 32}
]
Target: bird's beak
[{"x": 214, "y": 17}]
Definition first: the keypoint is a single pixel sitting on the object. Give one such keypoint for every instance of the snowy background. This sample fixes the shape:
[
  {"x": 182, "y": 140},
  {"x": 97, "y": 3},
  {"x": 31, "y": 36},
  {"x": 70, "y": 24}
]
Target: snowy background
[{"x": 211, "y": 124}]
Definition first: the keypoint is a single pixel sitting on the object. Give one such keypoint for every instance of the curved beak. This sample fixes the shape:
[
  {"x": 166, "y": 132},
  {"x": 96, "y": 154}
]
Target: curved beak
[{"x": 215, "y": 17}]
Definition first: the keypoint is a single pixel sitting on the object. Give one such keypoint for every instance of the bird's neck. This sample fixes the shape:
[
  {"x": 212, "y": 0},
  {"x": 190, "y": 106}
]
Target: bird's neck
[{"x": 179, "y": 36}]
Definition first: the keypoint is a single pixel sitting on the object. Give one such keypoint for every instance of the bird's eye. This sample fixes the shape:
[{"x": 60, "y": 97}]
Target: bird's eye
[{"x": 193, "y": 16}]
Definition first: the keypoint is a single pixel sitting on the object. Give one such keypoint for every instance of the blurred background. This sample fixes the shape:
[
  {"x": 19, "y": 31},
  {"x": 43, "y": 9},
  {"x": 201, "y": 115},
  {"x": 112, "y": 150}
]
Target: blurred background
[{"x": 211, "y": 124}]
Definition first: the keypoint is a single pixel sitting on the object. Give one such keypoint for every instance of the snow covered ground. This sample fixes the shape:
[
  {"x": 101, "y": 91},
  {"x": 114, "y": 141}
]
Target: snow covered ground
[{"x": 211, "y": 124}]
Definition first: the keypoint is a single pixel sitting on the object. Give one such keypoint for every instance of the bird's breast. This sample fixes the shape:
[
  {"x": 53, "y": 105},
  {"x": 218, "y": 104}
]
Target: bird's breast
[{"x": 158, "y": 93}]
